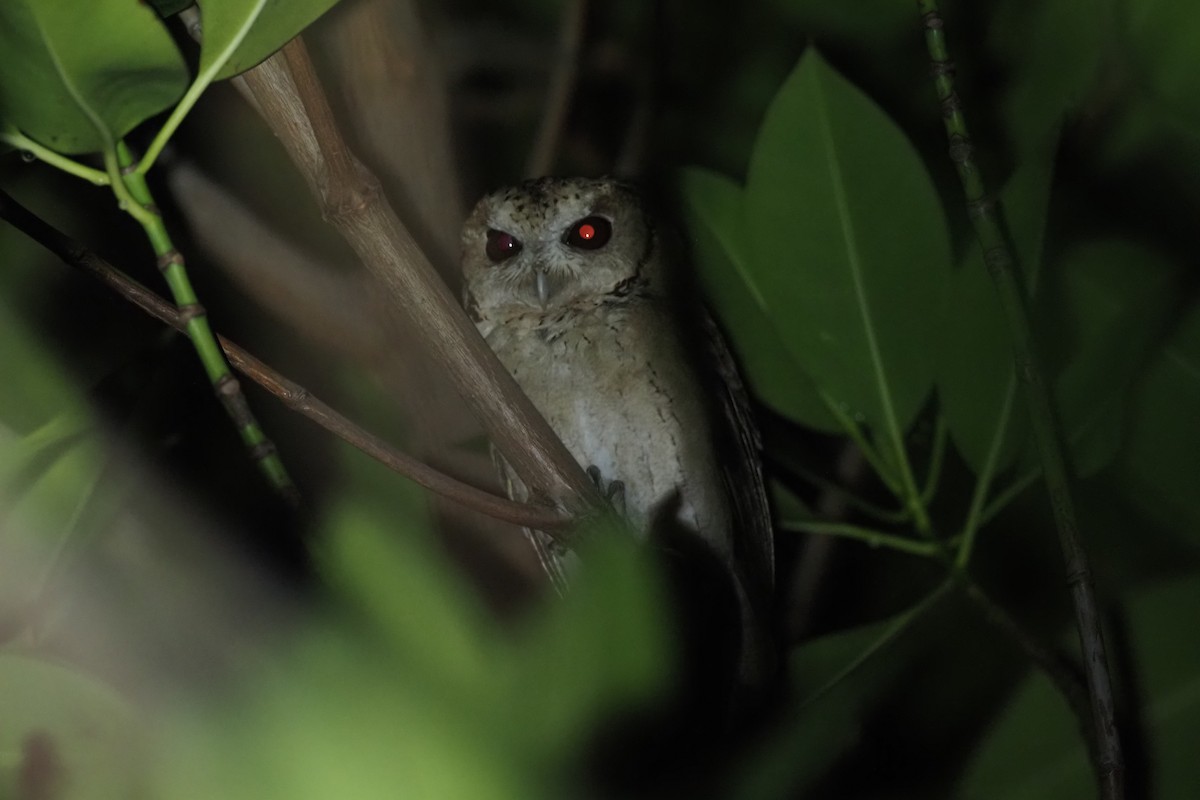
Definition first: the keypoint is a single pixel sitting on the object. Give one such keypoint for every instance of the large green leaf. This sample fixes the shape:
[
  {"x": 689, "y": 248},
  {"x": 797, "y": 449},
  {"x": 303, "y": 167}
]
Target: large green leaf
[
  {"x": 411, "y": 690},
  {"x": 720, "y": 251},
  {"x": 77, "y": 76},
  {"x": 850, "y": 250},
  {"x": 837, "y": 678},
  {"x": 1034, "y": 751},
  {"x": 239, "y": 34},
  {"x": 976, "y": 383}
]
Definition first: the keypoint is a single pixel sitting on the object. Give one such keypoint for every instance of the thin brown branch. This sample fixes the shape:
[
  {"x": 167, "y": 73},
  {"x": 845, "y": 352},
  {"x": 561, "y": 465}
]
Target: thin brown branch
[
  {"x": 292, "y": 394},
  {"x": 564, "y": 72},
  {"x": 351, "y": 201}
]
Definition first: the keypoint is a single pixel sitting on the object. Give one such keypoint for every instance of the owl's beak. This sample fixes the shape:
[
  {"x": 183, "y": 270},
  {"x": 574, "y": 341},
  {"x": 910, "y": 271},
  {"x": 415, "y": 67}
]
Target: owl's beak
[{"x": 542, "y": 282}]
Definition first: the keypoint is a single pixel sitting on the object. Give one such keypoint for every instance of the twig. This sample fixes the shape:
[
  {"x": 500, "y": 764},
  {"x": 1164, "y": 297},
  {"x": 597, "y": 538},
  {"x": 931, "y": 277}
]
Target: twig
[
  {"x": 997, "y": 255},
  {"x": 298, "y": 112},
  {"x": 292, "y": 394},
  {"x": 564, "y": 71}
]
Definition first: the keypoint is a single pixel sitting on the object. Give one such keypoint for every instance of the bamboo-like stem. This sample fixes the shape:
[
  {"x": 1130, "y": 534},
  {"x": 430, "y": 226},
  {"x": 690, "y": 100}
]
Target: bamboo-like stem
[
  {"x": 564, "y": 72},
  {"x": 292, "y": 394},
  {"x": 293, "y": 104},
  {"x": 1007, "y": 495},
  {"x": 137, "y": 200},
  {"x": 937, "y": 458},
  {"x": 997, "y": 255}
]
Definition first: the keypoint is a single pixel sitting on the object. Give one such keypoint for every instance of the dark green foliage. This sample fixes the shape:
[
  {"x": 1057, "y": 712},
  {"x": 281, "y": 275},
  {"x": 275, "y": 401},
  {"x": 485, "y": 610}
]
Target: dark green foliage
[{"x": 835, "y": 250}]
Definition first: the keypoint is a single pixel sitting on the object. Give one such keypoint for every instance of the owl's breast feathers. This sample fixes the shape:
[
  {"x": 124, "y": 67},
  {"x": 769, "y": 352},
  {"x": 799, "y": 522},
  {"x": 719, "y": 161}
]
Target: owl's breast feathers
[{"x": 615, "y": 385}]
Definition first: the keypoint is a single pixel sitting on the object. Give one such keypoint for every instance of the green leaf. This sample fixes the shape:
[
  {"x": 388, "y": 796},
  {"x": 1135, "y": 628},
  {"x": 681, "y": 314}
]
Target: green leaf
[
  {"x": 1034, "y": 750},
  {"x": 239, "y": 34},
  {"x": 603, "y": 648},
  {"x": 74, "y": 733},
  {"x": 976, "y": 383},
  {"x": 720, "y": 250},
  {"x": 839, "y": 677},
  {"x": 77, "y": 76},
  {"x": 410, "y": 690},
  {"x": 850, "y": 249}
]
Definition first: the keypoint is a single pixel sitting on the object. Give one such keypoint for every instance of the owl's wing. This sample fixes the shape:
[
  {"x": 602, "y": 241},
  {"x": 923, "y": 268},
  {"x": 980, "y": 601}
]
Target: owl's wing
[
  {"x": 551, "y": 554},
  {"x": 754, "y": 545}
]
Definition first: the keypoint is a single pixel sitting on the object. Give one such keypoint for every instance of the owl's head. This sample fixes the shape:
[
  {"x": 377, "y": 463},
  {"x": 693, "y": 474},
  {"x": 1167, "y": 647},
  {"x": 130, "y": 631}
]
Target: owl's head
[{"x": 555, "y": 243}]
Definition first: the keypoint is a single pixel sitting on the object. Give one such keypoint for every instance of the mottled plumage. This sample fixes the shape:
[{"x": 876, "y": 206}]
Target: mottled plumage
[{"x": 572, "y": 287}]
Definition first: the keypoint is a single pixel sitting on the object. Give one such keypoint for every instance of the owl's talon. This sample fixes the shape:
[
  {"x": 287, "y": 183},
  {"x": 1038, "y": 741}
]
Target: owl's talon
[
  {"x": 614, "y": 493},
  {"x": 616, "y": 496}
]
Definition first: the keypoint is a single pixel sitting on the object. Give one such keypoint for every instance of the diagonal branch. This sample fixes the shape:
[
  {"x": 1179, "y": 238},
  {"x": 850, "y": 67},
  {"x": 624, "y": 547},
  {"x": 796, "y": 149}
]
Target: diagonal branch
[
  {"x": 292, "y": 394},
  {"x": 292, "y": 102},
  {"x": 998, "y": 256}
]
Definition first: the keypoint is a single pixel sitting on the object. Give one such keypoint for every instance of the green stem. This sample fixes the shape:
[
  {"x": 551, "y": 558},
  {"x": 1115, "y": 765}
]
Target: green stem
[
  {"x": 997, "y": 256},
  {"x": 826, "y": 485},
  {"x": 937, "y": 459},
  {"x": 870, "y": 536},
  {"x": 1007, "y": 495},
  {"x": 854, "y": 431},
  {"x": 976, "y": 514},
  {"x": 897, "y": 626},
  {"x": 909, "y": 492},
  {"x": 903, "y": 485},
  {"x": 203, "y": 79},
  {"x": 134, "y": 196},
  {"x": 26, "y": 145}
]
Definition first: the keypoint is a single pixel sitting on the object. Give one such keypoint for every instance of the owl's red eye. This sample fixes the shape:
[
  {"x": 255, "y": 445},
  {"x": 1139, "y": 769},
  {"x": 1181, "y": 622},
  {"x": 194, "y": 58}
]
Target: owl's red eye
[
  {"x": 590, "y": 233},
  {"x": 501, "y": 245}
]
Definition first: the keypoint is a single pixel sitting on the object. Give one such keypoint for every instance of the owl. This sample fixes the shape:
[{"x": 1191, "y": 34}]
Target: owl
[{"x": 573, "y": 286}]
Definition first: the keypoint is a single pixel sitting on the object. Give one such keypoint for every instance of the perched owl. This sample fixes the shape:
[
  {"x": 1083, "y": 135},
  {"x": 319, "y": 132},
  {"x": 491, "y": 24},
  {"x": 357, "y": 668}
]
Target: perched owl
[{"x": 572, "y": 286}]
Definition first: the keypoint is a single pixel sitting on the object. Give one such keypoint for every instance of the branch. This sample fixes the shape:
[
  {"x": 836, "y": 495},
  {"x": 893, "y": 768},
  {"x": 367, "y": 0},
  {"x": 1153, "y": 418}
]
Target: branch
[
  {"x": 292, "y": 394},
  {"x": 298, "y": 112},
  {"x": 998, "y": 256}
]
